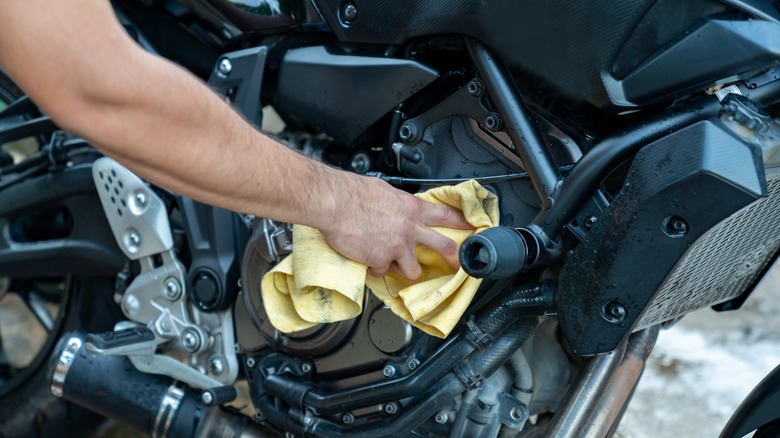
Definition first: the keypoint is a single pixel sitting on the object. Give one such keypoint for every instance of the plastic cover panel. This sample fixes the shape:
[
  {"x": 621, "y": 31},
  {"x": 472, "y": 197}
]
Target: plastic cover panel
[{"x": 722, "y": 263}]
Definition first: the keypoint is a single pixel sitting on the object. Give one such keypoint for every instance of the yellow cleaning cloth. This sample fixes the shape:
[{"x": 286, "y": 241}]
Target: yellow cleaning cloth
[{"x": 315, "y": 284}]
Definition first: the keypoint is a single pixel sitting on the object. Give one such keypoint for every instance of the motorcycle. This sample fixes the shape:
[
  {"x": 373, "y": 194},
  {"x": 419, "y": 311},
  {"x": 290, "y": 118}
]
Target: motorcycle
[{"x": 632, "y": 146}]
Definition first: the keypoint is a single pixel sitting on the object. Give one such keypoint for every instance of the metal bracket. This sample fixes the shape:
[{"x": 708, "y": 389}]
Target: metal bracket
[
  {"x": 466, "y": 101},
  {"x": 157, "y": 297},
  {"x": 512, "y": 412}
]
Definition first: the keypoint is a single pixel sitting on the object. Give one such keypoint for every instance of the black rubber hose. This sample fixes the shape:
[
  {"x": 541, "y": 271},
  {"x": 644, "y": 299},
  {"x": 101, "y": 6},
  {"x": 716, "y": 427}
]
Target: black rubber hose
[
  {"x": 535, "y": 299},
  {"x": 492, "y": 321},
  {"x": 444, "y": 359},
  {"x": 484, "y": 364}
]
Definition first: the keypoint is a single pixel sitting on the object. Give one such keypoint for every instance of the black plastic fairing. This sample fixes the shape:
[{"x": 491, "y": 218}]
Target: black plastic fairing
[
  {"x": 677, "y": 189},
  {"x": 583, "y": 51},
  {"x": 342, "y": 95},
  {"x": 758, "y": 409}
]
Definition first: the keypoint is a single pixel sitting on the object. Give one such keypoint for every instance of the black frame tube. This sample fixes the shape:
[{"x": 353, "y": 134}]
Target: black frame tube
[
  {"x": 597, "y": 164},
  {"x": 517, "y": 121}
]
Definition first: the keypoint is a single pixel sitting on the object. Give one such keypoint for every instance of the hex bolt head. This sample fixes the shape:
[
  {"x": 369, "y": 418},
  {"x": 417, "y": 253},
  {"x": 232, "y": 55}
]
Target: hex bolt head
[
  {"x": 250, "y": 362},
  {"x": 441, "y": 418},
  {"x": 388, "y": 371},
  {"x": 361, "y": 163},
  {"x": 675, "y": 227},
  {"x": 349, "y": 13},
  {"x": 348, "y": 418},
  {"x": 306, "y": 368},
  {"x": 171, "y": 289},
  {"x": 190, "y": 340},
  {"x": 133, "y": 238},
  {"x": 590, "y": 221},
  {"x": 406, "y": 132},
  {"x": 679, "y": 225},
  {"x": 492, "y": 122},
  {"x": 413, "y": 364},
  {"x": 225, "y": 66},
  {"x": 614, "y": 312},
  {"x": 475, "y": 87},
  {"x": 391, "y": 408}
]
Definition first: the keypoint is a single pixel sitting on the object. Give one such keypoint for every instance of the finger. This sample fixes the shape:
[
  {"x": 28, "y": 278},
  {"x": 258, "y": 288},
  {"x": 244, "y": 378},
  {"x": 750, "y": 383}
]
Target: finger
[
  {"x": 408, "y": 266},
  {"x": 438, "y": 215},
  {"x": 442, "y": 245},
  {"x": 377, "y": 271}
]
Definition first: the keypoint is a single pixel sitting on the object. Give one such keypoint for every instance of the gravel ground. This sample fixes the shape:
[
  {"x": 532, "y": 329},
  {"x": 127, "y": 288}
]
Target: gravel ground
[{"x": 704, "y": 366}]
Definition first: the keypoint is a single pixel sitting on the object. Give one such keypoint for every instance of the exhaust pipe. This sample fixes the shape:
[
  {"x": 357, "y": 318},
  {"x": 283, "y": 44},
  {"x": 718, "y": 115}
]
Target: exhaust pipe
[{"x": 153, "y": 404}]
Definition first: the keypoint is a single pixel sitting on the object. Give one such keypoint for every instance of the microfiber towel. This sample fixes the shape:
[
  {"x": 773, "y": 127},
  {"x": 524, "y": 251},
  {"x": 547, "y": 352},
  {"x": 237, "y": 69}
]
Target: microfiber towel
[{"x": 315, "y": 284}]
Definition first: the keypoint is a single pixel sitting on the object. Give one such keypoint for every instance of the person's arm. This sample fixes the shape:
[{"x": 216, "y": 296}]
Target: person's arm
[{"x": 74, "y": 60}]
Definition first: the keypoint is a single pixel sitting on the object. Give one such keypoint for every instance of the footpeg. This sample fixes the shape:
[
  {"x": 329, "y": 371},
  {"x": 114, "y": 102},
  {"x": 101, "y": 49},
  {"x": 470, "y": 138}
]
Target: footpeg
[{"x": 125, "y": 342}]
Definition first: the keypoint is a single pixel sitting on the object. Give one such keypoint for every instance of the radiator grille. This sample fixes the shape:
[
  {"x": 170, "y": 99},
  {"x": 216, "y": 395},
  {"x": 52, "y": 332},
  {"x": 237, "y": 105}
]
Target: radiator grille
[{"x": 721, "y": 264}]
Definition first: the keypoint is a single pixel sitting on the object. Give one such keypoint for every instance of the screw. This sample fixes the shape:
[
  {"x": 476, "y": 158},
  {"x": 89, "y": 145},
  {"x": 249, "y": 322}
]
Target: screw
[
  {"x": 217, "y": 367},
  {"x": 614, "y": 312},
  {"x": 225, "y": 66},
  {"x": 306, "y": 368},
  {"x": 475, "y": 87},
  {"x": 391, "y": 408},
  {"x": 206, "y": 398},
  {"x": 441, "y": 418},
  {"x": 140, "y": 199},
  {"x": 309, "y": 421},
  {"x": 413, "y": 364},
  {"x": 492, "y": 122},
  {"x": 190, "y": 340},
  {"x": 679, "y": 225},
  {"x": 250, "y": 362},
  {"x": 590, "y": 221},
  {"x": 406, "y": 132},
  {"x": 171, "y": 289},
  {"x": 388, "y": 371},
  {"x": 348, "y": 418},
  {"x": 237, "y": 348},
  {"x": 349, "y": 13},
  {"x": 360, "y": 163},
  {"x": 133, "y": 239},
  {"x": 289, "y": 435}
]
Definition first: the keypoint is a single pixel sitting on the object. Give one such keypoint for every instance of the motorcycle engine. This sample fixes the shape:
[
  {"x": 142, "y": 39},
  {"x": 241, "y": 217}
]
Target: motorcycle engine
[{"x": 378, "y": 345}]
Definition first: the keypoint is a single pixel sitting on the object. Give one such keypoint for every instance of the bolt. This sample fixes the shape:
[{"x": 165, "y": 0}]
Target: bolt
[
  {"x": 237, "y": 348},
  {"x": 131, "y": 305},
  {"x": 171, "y": 289},
  {"x": 133, "y": 239},
  {"x": 492, "y": 122},
  {"x": 306, "y": 368},
  {"x": 590, "y": 221},
  {"x": 289, "y": 435},
  {"x": 475, "y": 87},
  {"x": 216, "y": 366},
  {"x": 441, "y": 418},
  {"x": 140, "y": 199},
  {"x": 388, "y": 371},
  {"x": 308, "y": 421},
  {"x": 679, "y": 225},
  {"x": 165, "y": 326},
  {"x": 614, "y": 312},
  {"x": 413, "y": 364},
  {"x": 190, "y": 340},
  {"x": 406, "y": 132},
  {"x": 74, "y": 344},
  {"x": 348, "y": 418},
  {"x": 250, "y": 362},
  {"x": 391, "y": 408},
  {"x": 360, "y": 163},
  {"x": 206, "y": 398},
  {"x": 349, "y": 13},
  {"x": 225, "y": 67}
]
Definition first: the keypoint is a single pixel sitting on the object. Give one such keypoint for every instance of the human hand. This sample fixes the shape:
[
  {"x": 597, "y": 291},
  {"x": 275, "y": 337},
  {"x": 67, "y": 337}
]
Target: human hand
[{"x": 380, "y": 226}]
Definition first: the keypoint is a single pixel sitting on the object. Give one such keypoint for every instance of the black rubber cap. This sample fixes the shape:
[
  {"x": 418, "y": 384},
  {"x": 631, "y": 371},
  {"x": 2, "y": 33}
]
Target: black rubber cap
[
  {"x": 498, "y": 252},
  {"x": 206, "y": 289}
]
